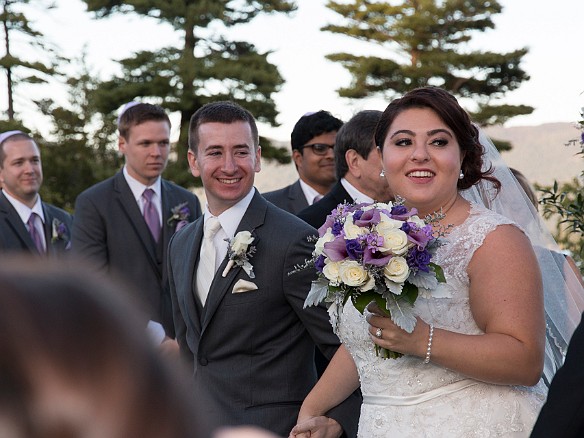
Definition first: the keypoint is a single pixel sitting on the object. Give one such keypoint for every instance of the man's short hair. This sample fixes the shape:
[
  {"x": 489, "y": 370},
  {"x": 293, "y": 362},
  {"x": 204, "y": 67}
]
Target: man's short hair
[
  {"x": 138, "y": 114},
  {"x": 15, "y": 137},
  {"x": 358, "y": 134},
  {"x": 312, "y": 125},
  {"x": 220, "y": 112}
]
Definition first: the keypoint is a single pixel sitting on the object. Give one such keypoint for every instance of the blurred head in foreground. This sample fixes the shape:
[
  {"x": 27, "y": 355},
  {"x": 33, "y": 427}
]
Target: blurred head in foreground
[{"x": 75, "y": 360}]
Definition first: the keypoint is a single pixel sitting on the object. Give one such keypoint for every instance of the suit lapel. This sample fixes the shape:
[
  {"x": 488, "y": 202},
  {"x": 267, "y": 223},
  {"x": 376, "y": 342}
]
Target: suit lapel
[
  {"x": 168, "y": 201},
  {"x": 340, "y": 194},
  {"x": 48, "y": 226},
  {"x": 130, "y": 208},
  {"x": 297, "y": 197},
  {"x": 251, "y": 221},
  {"x": 15, "y": 224},
  {"x": 191, "y": 264}
]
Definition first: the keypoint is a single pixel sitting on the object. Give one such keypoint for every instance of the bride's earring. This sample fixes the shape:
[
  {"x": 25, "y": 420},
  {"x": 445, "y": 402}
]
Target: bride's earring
[
  {"x": 382, "y": 173},
  {"x": 461, "y": 174}
]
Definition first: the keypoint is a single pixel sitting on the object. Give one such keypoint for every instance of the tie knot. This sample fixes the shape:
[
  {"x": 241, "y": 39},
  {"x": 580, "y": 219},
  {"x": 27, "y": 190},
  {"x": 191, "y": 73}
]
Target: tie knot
[
  {"x": 148, "y": 194},
  {"x": 31, "y": 219},
  {"x": 212, "y": 225}
]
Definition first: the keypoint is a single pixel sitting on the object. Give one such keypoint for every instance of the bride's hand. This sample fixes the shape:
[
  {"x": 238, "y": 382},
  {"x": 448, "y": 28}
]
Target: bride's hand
[
  {"x": 395, "y": 338},
  {"x": 317, "y": 427}
]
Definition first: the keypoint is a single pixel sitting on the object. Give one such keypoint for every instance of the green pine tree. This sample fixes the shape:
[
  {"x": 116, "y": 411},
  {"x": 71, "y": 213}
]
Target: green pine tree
[
  {"x": 21, "y": 70},
  {"x": 79, "y": 153},
  {"x": 199, "y": 69},
  {"x": 426, "y": 42}
]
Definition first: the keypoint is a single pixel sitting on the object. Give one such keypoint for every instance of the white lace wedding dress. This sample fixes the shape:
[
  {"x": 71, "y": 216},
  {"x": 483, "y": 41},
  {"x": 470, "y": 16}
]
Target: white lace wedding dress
[{"x": 405, "y": 397}]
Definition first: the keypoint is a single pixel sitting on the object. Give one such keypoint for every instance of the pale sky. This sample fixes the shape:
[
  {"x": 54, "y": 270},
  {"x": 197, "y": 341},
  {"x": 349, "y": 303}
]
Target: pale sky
[{"x": 551, "y": 30}]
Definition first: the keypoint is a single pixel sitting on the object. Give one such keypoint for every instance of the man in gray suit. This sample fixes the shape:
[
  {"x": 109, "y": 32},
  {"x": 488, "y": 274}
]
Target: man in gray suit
[
  {"x": 26, "y": 223},
  {"x": 111, "y": 227},
  {"x": 358, "y": 169},
  {"x": 312, "y": 141},
  {"x": 243, "y": 330}
]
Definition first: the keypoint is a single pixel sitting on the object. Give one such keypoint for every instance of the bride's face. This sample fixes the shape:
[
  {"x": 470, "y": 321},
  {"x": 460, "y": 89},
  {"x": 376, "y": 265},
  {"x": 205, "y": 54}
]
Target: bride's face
[{"x": 422, "y": 160}]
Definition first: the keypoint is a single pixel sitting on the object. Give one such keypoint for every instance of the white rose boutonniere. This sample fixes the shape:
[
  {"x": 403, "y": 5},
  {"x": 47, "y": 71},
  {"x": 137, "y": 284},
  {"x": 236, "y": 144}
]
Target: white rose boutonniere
[{"x": 239, "y": 251}]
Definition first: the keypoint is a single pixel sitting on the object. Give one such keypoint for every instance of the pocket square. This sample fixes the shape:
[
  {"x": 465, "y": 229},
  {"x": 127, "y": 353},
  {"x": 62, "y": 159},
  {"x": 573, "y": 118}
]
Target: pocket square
[{"x": 243, "y": 286}]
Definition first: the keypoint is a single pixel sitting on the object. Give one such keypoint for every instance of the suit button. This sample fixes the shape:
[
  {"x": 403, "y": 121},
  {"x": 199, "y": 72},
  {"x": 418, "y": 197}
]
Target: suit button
[{"x": 203, "y": 361}]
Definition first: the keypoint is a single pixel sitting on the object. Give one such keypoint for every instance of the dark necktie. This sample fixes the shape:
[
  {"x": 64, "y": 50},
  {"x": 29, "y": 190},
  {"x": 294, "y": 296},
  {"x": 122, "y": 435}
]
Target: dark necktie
[
  {"x": 34, "y": 234},
  {"x": 151, "y": 214}
]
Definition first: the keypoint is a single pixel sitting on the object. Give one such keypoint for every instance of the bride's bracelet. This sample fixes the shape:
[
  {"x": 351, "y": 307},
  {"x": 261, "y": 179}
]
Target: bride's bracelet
[{"x": 429, "y": 349}]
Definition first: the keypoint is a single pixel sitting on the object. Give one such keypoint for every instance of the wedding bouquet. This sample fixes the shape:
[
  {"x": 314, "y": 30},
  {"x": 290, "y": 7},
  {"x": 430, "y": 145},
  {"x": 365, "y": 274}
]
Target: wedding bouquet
[{"x": 375, "y": 252}]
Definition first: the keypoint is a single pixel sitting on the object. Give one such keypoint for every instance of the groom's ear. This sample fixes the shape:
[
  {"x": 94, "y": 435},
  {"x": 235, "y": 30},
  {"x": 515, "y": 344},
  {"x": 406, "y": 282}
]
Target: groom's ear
[{"x": 193, "y": 163}]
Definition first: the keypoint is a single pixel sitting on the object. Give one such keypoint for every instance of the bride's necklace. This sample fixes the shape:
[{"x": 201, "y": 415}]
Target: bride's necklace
[{"x": 443, "y": 226}]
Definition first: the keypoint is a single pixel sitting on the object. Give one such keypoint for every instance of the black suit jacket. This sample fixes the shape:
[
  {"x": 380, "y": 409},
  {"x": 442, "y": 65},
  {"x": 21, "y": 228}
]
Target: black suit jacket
[
  {"x": 290, "y": 198},
  {"x": 110, "y": 231},
  {"x": 562, "y": 415},
  {"x": 254, "y": 350},
  {"x": 15, "y": 238},
  {"x": 316, "y": 213}
]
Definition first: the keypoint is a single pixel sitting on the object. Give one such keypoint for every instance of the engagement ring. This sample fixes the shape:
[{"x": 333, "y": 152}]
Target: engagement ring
[{"x": 379, "y": 332}]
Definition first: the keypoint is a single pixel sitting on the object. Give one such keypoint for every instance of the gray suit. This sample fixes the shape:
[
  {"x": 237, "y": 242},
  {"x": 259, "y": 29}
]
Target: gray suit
[
  {"x": 290, "y": 198},
  {"x": 110, "y": 231},
  {"x": 254, "y": 350},
  {"x": 15, "y": 238}
]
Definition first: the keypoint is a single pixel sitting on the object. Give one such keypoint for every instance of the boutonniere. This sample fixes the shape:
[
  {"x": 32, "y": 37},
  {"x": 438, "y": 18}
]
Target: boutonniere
[
  {"x": 239, "y": 251},
  {"x": 59, "y": 231},
  {"x": 179, "y": 216}
]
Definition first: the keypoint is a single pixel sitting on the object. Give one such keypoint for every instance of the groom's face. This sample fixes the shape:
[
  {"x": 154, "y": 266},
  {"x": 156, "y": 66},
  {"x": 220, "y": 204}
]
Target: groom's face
[{"x": 226, "y": 160}]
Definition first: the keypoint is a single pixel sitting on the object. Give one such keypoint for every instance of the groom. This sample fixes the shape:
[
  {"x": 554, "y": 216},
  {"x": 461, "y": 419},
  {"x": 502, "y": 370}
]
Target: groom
[{"x": 246, "y": 335}]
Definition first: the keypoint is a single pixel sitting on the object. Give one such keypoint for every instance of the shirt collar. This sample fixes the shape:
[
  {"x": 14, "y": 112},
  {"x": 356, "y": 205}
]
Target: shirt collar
[
  {"x": 309, "y": 192},
  {"x": 23, "y": 210},
  {"x": 138, "y": 188},
  {"x": 357, "y": 196},
  {"x": 231, "y": 217}
]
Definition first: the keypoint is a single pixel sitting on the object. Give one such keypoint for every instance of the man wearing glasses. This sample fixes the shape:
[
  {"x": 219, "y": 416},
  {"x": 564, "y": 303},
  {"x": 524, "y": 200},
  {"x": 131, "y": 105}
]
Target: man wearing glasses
[{"x": 312, "y": 141}]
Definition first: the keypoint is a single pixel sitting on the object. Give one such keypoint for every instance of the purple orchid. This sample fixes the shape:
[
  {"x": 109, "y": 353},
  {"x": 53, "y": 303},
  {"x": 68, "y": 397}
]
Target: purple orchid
[
  {"x": 376, "y": 258},
  {"x": 336, "y": 250},
  {"x": 367, "y": 218},
  {"x": 420, "y": 236}
]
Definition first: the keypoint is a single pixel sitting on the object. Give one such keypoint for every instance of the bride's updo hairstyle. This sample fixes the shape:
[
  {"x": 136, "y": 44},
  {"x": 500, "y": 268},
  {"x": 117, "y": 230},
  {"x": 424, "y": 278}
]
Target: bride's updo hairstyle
[{"x": 452, "y": 114}]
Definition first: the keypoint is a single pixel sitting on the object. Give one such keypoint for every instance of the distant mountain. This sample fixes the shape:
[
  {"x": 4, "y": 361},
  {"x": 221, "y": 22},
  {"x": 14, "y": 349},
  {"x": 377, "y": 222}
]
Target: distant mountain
[{"x": 539, "y": 152}]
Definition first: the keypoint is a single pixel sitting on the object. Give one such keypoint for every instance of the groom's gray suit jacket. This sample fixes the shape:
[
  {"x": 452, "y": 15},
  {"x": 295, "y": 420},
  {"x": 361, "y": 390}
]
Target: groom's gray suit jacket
[{"x": 253, "y": 352}]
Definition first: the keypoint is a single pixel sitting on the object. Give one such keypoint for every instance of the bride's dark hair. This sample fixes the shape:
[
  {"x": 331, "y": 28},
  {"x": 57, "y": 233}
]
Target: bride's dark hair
[{"x": 447, "y": 108}]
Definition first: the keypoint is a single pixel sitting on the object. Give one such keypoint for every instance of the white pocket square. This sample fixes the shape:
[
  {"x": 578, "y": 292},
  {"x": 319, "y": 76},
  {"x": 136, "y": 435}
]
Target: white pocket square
[{"x": 243, "y": 286}]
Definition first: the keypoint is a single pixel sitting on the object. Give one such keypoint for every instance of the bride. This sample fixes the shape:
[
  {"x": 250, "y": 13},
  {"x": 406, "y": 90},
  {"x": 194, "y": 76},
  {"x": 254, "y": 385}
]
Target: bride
[{"x": 473, "y": 364}]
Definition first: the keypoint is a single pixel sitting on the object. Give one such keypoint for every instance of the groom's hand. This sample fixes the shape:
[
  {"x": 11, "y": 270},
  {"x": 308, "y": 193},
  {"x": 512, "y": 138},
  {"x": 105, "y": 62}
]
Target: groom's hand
[{"x": 317, "y": 427}]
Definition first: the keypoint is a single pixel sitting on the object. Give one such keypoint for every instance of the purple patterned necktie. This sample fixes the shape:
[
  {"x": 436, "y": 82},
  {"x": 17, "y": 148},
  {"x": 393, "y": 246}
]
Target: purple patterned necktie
[
  {"x": 34, "y": 234},
  {"x": 151, "y": 214}
]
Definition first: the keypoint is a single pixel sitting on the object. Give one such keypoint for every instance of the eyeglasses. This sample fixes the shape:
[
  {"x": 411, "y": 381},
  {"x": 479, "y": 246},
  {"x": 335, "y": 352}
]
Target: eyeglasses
[{"x": 318, "y": 148}]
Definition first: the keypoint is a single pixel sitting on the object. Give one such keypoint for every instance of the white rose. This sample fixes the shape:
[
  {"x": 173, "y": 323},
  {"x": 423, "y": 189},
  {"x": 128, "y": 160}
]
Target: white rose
[
  {"x": 241, "y": 241},
  {"x": 397, "y": 270},
  {"x": 352, "y": 273},
  {"x": 419, "y": 222},
  {"x": 387, "y": 224},
  {"x": 395, "y": 241},
  {"x": 352, "y": 231},
  {"x": 384, "y": 206},
  {"x": 369, "y": 285},
  {"x": 319, "y": 245},
  {"x": 331, "y": 271}
]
